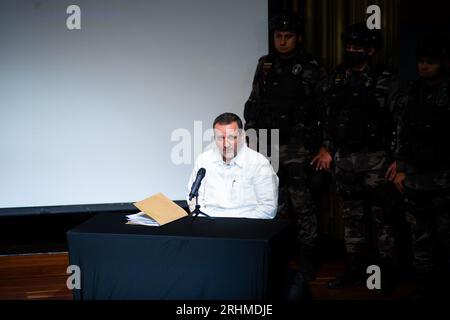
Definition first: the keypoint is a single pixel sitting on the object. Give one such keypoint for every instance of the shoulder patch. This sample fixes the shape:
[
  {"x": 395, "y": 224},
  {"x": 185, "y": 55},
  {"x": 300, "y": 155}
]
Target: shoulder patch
[
  {"x": 338, "y": 78},
  {"x": 263, "y": 58},
  {"x": 267, "y": 66}
]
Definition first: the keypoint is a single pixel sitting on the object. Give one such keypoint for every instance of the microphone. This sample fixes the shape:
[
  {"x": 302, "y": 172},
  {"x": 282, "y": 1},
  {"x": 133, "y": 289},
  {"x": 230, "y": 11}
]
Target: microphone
[{"x": 196, "y": 185}]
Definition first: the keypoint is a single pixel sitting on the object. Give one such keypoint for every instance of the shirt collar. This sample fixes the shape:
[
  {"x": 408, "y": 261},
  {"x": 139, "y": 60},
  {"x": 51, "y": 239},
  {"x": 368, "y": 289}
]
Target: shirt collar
[{"x": 239, "y": 160}]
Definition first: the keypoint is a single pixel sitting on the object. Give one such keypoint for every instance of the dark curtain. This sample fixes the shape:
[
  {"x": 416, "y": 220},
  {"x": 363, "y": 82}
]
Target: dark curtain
[{"x": 325, "y": 20}]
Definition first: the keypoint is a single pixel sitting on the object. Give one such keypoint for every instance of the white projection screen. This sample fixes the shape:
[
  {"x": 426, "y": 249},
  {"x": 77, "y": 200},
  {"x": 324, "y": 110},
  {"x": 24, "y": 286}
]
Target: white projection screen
[{"x": 87, "y": 116}]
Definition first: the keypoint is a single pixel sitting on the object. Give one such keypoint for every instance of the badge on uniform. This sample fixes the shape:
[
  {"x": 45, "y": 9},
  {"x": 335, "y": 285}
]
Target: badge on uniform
[
  {"x": 368, "y": 82},
  {"x": 338, "y": 79},
  {"x": 429, "y": 99},
  {"x": 296, "y": 69},
  {"x": 267, "y": 66},
  {"x": 442, "y": 98}
]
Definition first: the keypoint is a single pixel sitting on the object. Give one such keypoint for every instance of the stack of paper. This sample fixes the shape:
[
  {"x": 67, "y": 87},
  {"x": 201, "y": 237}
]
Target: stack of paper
[{"x": 142, "y": 219}]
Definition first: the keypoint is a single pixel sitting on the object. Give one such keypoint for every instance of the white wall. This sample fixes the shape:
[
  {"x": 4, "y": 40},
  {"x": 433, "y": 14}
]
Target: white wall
[{"x": 86, "y": 115}]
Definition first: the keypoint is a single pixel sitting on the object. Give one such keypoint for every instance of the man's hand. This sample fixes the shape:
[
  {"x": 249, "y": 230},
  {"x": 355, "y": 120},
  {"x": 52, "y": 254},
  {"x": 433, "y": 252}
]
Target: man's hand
[
  {"x": 391, "y": 172},
  {"x": 322, "y": 160},
  {"x": 398, "y": 181}
]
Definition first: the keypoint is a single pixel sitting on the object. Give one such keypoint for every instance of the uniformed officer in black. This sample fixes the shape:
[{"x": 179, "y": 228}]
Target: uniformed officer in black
[
  {"x": 358, "y": 127},
  {"x": 423, "y": 165},
  {"x": 284, "y": 96}
]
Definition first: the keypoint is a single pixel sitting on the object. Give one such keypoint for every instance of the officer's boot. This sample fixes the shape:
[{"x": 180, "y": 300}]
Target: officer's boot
[
  {"x": 424, "y": 287},
  {"x": 307, "y": 266},
  {"x": 387, "y": 277},
  {"x": 353, "y": 273},
  {"x": 299, "y": 288}
]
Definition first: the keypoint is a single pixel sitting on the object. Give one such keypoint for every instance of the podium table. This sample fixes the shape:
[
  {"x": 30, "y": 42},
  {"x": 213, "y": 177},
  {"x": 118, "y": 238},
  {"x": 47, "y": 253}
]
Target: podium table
[{"x": 224, "y": 258}]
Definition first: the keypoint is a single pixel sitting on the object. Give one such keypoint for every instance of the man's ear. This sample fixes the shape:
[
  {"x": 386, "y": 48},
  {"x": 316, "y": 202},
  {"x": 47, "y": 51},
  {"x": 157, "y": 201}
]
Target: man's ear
[
  {"x": 299, "y": 38},
  {"x": 242, "y": 135},
  {"x": 370, "y": 51}
]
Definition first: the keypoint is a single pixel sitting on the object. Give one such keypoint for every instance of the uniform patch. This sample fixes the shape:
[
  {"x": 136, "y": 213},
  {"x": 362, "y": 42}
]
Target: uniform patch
[
  {"x": 339, "y": 78},
  {"x": 368, "y": 82},
  {"x": 267, "y": 66},
  {"x": 429, "y": 99},
  {"x": 442, "y": 98},
  {"x": 297, "y": 69}
]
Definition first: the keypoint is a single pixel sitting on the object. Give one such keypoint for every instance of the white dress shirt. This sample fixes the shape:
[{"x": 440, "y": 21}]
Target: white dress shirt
[{"x": 247, "y": 187}]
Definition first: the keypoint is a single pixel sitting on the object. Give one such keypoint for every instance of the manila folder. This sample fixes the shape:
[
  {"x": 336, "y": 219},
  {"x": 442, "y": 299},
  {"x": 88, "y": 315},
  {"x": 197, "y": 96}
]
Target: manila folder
[{"x": 161, "y": 209}]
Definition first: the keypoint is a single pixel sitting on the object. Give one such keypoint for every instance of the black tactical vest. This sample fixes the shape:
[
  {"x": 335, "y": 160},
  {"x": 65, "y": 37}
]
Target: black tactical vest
[
  {"x": 428, "y": 120},
  {"x": 358, "y": 118},
  {"x": 286, "y": 98}
]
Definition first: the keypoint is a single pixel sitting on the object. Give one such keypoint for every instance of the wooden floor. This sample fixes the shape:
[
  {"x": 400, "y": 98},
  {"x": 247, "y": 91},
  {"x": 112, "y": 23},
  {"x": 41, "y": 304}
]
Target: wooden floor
[
  {"x": 43, "y": 276},
  {"x": 35, "y": 276},
  {"x": 404, "y": 290}
]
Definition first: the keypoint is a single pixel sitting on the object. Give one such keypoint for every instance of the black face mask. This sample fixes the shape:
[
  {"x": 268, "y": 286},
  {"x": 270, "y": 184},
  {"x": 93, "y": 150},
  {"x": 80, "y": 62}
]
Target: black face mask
[{"x": 355, "y": 58}]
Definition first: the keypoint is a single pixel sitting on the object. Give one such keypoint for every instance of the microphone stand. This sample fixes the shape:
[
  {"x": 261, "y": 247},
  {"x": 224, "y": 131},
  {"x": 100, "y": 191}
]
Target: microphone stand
[{"x": 197, "y": 210}]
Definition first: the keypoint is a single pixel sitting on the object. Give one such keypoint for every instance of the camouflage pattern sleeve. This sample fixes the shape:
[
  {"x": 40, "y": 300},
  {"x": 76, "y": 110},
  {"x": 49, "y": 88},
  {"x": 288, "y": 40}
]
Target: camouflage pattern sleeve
[
  {"x": 397, "y": 94},
  {"x": 307, "y": 117},
  {"x": 320, "y": 88},
  {"x": 386, "y": 90},
  {"x": 403, "y": 145},
  {"x": 321, "y": 79},
  {"x": 324, "y": 108},
  {"x": 252, "y": 105}
]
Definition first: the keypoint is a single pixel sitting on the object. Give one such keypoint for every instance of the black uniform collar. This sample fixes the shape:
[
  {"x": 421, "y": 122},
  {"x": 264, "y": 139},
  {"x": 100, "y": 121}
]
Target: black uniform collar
[
  {"x": 364, "y": 72},
  {"x": 426, "y": 84},
  {"x": 298, "y": 57}
]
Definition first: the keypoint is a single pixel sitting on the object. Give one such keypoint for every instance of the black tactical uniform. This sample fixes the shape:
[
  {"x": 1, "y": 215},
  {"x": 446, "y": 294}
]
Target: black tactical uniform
[
  {"x": 358, "y": 132},
  {"x": 424, "y": 156},
  {"x": 284, "y": 97}
]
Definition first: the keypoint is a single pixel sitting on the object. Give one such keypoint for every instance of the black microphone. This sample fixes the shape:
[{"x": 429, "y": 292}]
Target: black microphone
[{"x": 196, "y": 185}]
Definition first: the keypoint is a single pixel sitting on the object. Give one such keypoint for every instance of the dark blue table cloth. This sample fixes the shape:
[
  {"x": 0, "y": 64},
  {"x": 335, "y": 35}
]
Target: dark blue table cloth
[{"x": 224, "y": 258}]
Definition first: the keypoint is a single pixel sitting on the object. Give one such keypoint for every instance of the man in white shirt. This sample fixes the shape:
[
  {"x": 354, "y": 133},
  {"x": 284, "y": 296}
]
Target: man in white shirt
[{"x": 239, "y": 181}]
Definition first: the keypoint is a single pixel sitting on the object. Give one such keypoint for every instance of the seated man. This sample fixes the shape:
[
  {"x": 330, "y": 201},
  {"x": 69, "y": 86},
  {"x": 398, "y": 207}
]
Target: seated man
[{"x": 239, "y": 181}]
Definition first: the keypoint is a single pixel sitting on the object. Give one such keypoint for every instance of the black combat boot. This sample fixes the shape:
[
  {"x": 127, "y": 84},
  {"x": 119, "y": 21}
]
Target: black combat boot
[
  {"x": 299, "y": 288},
  {"x": 353, "y": 273},
  {"x": 307, "y": 265},
  {"x": 387, "y": 277},
  {"x": 299, "y": 285},
  {"x": 425, "y": 287}
]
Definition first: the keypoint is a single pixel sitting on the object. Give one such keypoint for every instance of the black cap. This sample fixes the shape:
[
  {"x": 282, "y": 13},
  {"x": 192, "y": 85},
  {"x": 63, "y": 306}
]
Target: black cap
[
  {"x": 435, "y": 46},
  {"x": 359, "y": 34},
  {"x": 286, "y": 21}
]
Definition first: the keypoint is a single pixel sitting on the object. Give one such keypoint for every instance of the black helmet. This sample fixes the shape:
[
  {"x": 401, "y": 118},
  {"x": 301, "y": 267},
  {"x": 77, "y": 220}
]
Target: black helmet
[
  {"x": 359, "y": 34},
  {"x": 288, "y": 21},
  {"x": 434, "y": 46}
]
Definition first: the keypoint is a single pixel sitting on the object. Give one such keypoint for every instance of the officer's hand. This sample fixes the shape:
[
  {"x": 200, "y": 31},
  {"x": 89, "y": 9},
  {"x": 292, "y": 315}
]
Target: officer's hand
[
  {"x": 398, "y": 181},
  {"x": 391, "y": 172},
  {"x": 323, "y": 160}
]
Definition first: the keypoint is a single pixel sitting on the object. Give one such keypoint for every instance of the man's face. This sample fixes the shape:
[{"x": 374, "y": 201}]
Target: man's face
[
  {"x": 228, "y": 138},
  {"x": 356, "y": 55},
  {"x": 285, "y": 42},
  {"x": 354, "y": 48},
  {"x": 428, "y": 67}
]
